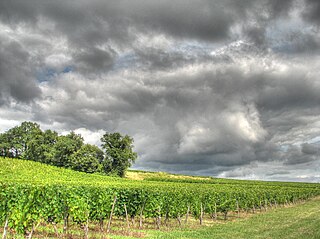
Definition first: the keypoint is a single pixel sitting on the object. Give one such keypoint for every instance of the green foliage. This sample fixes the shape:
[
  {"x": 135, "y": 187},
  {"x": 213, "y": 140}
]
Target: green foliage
[
  {"x": 40, "y": 147},
  {"x": 5, "y": 145},
  {"x": 64, "y": 148},
  {"x": 88, "y": 158},
  {"x": 119, "y": 151},
  {"x": 15, "y": 142},
  {"x": 31, "y": 192},
  {"x": 29, "y": 142}
]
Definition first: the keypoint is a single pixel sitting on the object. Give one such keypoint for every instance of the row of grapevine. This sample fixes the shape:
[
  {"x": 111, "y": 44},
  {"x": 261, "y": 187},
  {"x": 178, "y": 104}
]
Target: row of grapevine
[{"x": 23, "y": 205}]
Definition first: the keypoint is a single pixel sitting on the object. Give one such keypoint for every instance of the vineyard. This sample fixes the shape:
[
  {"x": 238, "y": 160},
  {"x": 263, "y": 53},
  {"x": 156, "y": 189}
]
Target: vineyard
[{"x": 33, "y": 194}]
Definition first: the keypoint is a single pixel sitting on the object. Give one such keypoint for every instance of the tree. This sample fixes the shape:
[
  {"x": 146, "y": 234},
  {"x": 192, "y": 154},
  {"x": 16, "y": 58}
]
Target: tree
[
  {"x": 15, "y": 141},
  {"x": 87, "y": 159},
  {"x": 64, "y": 148},
  {"x": 5, "y": 145},
  {"x": 40, "y": 148},
  {"x": 119, "y": 152}
]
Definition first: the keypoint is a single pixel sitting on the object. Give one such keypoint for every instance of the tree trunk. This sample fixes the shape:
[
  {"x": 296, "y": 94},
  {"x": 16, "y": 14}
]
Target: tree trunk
[
  {"x": 166, "y": 219},
  {"x": 238, "y": 210},
  {"x": 225, "y": 215},
  {"x": 101, "y": 224},
  {"x": 179, "y": 220},
  {"x": 215, "y": 211}
]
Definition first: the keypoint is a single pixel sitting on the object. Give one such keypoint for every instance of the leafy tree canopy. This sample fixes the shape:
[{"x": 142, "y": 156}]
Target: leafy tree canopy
[
  {"x": 28, "y": 141},
  {"x": 119, "y": 151}
]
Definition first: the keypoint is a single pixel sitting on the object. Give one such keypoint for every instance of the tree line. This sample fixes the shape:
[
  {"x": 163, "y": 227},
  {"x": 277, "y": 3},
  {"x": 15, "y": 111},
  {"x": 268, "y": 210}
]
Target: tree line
[{"x": 28, "y": 141}]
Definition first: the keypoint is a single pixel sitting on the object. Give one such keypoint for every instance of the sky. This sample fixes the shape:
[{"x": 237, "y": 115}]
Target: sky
[{"x": 205, "y": 87}]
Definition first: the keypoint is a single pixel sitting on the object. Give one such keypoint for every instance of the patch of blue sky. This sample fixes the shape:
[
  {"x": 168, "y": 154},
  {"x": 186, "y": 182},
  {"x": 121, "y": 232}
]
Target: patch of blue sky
[
  {"x": 131, "y": 60},
  {"x": 315, "y": 140},
  {"x": 48, "y": 74},
  {"x": 286, "y": 36},
  {"x": 67, "y": 69},
  {"x": 284, "y": 147},
  {"x": 125, "y": 61},
  {"x": 194, "y": 47},
  {"x": 284, "y": 48}
]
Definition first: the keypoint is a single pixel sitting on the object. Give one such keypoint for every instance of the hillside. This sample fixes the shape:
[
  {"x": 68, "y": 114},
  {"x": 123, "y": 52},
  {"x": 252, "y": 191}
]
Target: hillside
[
  {"x": 30, "y": 171},
  {"x": 33, "y": 194}
]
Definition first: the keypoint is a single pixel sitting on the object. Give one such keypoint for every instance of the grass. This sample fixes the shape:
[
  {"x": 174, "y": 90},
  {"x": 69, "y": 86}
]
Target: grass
[
  {"x": 298, "y": 221},
  {"x": 145, "y": 175}
]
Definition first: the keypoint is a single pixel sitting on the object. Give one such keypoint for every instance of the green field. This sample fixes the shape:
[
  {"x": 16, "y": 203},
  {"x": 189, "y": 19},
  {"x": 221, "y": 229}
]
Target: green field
[
  {"x": 46, "y": 201},
  {"x": 298, "y": 221}
]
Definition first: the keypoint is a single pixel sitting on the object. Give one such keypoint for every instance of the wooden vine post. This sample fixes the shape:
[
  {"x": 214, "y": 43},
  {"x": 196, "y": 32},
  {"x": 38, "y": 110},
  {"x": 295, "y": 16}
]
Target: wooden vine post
[
  {"x": 215, "y": 211},
  {"x": 140, "y": 219},
  {"x": 112, "y": 209},
  {"x": 4, "y": 235},
  {"x": 127, "y": 218},
  {"x": 86, "y": 227},
  {"x": 158, "y": 219},
  {"x": 65, "y": 220},
  {"x": 187, "y": 215},
  {"x": 201, "y": 214},
  {"x": 55, "y": 229},
  {"x": 265, "y": 205},
  {"x": 260, "y": 206},
  {"x": 238, "y": 209}
]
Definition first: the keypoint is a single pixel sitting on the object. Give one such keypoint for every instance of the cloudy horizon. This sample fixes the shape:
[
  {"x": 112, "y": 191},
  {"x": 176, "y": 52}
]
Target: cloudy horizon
[{"x": 218, "y": 88}]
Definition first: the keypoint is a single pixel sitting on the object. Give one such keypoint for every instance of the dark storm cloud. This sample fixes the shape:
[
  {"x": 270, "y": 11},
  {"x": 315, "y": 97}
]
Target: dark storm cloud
[
  {"x": 312, "y": 11},
  {"x": 204, "y": 19},
  {"x": 16, "y": 73},
  {"x": 294, "y": 89},
  {"x": 97, "y": 22},
  {"x": 296, "y": 156},
  {"x": 94, "y": 60},
  {"x": 309, "y": 149}
]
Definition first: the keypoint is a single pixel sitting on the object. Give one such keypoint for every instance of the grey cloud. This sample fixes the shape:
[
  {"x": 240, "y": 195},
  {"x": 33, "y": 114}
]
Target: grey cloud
[
  {"x": 98, "y": 21},
  {"x": 309, "y": 149},
  {"x": 16, "y": 73},
  {"x": 299, "y": 42},
  {"x": 256, "y": 34},
  {"x": 312, "y": 11},
  {"x": 279, "y": 8},
  {"x": 294, "y": 89},
  {"x": 207, "y": 20},
  {"x": 212, "y": 117},
  {"x": 94, "y": 60},
  {"x": 296, "y": 155},
  {"x": 204, "y": 87},
  {"x": 278, "y": 173}
]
